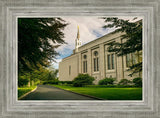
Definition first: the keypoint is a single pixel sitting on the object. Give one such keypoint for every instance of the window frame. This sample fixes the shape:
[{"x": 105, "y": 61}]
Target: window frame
[
  {"x": 110, "y": 61},
  {"x": 96, "y": 61}
]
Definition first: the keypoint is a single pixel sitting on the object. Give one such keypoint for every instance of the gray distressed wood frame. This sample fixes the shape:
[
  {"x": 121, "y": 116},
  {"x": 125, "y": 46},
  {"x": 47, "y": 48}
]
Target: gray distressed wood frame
[{"x": 10, "y": 107}]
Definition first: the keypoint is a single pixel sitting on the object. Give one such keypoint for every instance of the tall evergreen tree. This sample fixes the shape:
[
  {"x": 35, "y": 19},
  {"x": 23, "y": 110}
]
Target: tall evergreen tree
[
  {"x": 37, "y": 40},
  {"x": 131, "y": 40}
]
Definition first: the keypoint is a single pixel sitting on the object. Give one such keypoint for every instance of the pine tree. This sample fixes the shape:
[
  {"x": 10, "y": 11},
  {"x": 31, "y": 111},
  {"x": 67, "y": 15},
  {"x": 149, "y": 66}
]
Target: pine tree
[
  {"x": 131, "y": 40},
  {"x": 37, "y": 40}
]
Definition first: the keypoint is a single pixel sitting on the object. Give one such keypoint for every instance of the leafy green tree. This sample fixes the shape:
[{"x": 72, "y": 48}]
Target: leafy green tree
[
  {"x": 40, "y": 74},
  {"x": 37, "y": 40},
  {"x": 52, "y": 73},
  {"x": 23, "y": 80},
  {"x": 131, "y": 40}
]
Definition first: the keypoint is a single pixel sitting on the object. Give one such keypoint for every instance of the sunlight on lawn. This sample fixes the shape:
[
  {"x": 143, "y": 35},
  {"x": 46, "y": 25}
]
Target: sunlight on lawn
[{"x": 107, "y": 93}]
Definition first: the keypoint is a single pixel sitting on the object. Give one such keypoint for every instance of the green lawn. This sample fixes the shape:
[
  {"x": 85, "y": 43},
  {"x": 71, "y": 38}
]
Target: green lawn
[
  {"x": 24, "y": 90},
  {"x": 107, "y": 93}
]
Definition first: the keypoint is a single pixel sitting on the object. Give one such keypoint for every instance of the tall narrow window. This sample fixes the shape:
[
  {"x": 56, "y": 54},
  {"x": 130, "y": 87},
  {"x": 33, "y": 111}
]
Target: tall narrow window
[
  {"x": 127, "y": 60},
  {"x": 109, "y": 62},
  {"x": 112, "y": 61},
  {"x": 69, "y": 70},
  {"x": 131, "y": 59},
  {"x": 85, "y": 64},
  {"x": 134, "y": 58},
  {"x": 95, "y": 66},
  {"x": 96, "y": 61}
]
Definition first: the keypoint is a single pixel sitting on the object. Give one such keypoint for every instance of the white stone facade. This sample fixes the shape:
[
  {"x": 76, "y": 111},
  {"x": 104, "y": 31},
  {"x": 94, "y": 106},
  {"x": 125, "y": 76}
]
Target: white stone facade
[{"x": 94, "y": 59}]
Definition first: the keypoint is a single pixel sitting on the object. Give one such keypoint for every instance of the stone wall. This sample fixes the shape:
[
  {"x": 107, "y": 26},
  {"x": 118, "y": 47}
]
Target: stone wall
[{"x": 68, "y": 68}]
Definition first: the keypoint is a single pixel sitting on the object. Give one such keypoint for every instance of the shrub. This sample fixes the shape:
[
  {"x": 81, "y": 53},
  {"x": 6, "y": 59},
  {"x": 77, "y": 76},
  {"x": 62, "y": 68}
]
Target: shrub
[
  {"x": 137, "y": 81},
  {"x": 82, "y": 80},
  {"x": 57, "y": 82},
  {"x": 106, "y": 81},
  {"x": 66, "y": 82},
  {"x": 51, "y": 82},
  {"x": 124, "y": 82},
  {"x": 22, "y": 81}
]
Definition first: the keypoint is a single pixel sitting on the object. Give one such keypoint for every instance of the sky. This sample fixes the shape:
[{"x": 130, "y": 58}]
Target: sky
[{"x": 90, "y": 28}]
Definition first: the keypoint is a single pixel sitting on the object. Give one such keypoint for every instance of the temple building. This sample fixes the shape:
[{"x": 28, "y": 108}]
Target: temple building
[{"x": 93, "y": 58}]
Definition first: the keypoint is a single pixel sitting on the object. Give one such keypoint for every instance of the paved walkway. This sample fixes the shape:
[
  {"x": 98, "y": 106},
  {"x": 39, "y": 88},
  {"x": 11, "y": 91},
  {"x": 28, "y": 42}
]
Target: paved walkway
[{"x": 47, "y": 92}]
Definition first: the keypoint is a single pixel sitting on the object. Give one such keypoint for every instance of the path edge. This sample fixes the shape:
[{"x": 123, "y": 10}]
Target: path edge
[{"x": 27, "y": 93}]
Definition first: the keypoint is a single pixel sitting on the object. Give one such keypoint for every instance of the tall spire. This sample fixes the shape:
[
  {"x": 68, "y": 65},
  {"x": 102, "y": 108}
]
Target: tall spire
[
  {"x": 77, "y": 41},
  {"x": 78, "y": 35}
]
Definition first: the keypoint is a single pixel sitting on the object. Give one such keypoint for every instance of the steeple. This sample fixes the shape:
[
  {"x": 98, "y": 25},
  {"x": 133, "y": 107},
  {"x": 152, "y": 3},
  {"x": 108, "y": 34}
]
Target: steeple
[
  {"x": 77, "y": 41},
  {"x": 78, "y": 35}
]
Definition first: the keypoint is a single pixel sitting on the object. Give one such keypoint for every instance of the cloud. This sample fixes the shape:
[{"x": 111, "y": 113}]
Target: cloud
[
  {"x": 90, "y": 28},
  {"x": 56, "y": 64}
]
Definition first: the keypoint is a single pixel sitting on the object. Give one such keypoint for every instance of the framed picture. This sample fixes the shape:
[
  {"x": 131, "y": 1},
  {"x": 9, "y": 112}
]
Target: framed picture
[
  {"x": 96, "y": 60},
  {"x": 86, "y": 67}
]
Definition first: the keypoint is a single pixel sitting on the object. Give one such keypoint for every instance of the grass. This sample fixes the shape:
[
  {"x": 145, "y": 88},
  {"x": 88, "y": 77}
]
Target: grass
[
  {"x": 107, "y": 93},
  {"x": 24, "y": 90}
]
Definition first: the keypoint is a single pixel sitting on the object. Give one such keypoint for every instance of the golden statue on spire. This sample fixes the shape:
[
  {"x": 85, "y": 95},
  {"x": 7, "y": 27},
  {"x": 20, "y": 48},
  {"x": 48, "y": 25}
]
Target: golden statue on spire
[{"x": 78, "y": 35}]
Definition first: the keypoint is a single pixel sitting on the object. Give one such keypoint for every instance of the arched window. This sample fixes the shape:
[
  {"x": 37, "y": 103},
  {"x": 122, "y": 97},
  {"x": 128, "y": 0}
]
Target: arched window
[
  {"x": 96, "y": 61},
  {"x": 85, "y": 56},
  {"x": 95, "y": 53}
]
